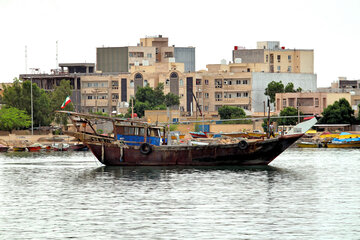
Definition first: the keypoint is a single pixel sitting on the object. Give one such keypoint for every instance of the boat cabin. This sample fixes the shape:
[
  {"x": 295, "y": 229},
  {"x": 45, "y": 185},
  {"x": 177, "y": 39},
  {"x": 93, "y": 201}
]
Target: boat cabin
[{"x": 135, "y": 134}]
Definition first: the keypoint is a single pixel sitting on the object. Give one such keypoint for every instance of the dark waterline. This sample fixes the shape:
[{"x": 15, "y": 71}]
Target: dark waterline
[{"x": 303, "y": 194}]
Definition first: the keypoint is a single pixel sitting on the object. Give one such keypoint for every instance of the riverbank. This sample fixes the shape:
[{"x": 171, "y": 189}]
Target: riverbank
[{"x": 15, "y": 140}]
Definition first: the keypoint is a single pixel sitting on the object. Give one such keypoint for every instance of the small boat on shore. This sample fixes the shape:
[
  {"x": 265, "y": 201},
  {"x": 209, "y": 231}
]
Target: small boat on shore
[
  {"x": 35, "y": 147},
  {"x": 19, "y": 149},
  {"x": 136, "y": 143},
  {"x": 3, "y": 148},
  {"x": 60, "y": 146},
  {"x": 307, "y": 145}
]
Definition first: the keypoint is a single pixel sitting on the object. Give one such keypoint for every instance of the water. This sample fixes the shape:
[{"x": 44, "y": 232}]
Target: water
[{"x": 303, "y": 194}]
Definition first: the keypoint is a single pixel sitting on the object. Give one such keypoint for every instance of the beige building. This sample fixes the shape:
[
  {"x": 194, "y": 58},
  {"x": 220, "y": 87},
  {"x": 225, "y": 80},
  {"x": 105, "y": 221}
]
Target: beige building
[
  {"x": 312, "y": 103},
  {"x": 275, "y": 59}
]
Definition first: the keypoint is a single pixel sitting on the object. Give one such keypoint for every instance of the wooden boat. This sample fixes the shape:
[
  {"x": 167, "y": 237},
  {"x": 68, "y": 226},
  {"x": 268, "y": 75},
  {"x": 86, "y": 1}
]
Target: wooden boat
[
  {"x": 139, "y": 143},
  {"x": 307, "y": 145},
  {"x": 19, "y": 149},
  {"x": 198, "y": 134},
  {"x": 3, "y": 148},
  {"x": 35, "y": 147},
  {"x": 60, "y": 146}
]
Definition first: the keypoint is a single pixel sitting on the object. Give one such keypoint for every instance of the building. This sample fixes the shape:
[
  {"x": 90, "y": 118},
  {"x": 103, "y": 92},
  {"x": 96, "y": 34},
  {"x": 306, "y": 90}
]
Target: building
[
  {"x": 312, "y": 103},
  {"x": 67, "y": 71},
  {"x": 149, "y": 51},
  {"x": 275, "y": 59}
]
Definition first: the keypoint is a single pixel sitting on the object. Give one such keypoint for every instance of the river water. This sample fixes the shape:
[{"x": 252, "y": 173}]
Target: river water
[{"x": 303, "y": 194}]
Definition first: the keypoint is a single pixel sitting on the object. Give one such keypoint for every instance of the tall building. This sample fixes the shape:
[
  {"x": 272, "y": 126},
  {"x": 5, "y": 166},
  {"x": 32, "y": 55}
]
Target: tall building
[
  {"x": 275, "y": 59},
  {"x": 149, "y": 51}
]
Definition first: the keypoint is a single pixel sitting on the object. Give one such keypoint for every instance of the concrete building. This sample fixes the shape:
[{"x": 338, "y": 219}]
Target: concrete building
[
  {"x": 276, "y": 59},
  {"x": 312, "y": 103},
  {"x": 67, "y": 71},
  {"x": 149, "y": 51}
]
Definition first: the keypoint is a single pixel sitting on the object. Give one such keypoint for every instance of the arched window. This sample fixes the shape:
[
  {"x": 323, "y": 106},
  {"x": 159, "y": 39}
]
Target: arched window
[
  {"x": 146, "y": 83},
  {"x": 138, "y": 76},
  {"x": 131, "y": 83}
]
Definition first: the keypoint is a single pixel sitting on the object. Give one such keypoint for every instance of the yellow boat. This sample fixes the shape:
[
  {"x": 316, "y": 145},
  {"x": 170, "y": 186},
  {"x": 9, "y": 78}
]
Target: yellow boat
[
  {"x": 350, "y": 144},
  {"x": 307, "y": 145}
]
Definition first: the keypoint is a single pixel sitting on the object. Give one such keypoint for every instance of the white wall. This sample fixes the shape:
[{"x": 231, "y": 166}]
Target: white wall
[{"x": 307, "y": 81}]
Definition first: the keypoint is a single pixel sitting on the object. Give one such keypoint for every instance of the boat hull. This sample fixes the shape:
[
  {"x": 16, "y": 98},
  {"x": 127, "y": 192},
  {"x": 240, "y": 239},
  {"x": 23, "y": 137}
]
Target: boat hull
[
  {"x": 260, "y": 152},
  {"x": 344, "y": 145}
]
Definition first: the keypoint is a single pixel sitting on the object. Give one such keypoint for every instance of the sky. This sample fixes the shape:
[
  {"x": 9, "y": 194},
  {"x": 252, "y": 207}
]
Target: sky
[{"x": 330, "y": 27}]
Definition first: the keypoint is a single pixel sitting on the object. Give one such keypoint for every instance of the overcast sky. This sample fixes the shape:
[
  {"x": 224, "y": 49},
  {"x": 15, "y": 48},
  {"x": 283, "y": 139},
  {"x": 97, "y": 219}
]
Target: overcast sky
[{"x": 330, "y": 27}]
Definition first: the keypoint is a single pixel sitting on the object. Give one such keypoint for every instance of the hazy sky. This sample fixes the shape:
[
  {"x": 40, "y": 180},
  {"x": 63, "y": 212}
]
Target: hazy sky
[{"x": 330, "y": 27}]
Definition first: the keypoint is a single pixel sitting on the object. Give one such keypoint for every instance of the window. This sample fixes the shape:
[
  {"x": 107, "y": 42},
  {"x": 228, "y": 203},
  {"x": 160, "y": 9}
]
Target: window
[
  {"x": 206, "y": 108},
  {"x": 246, "y": 94},
  {"x": 198, "y": 81},
  {"x": 248, "y": 70},
  {"x": 278, "y": 58},
  {"x": 267, "y": 58},
  {"x": 181, "y": 82},
  {"x": 206, "y": 82},
  {"x": 284, "y": 103},
  {"x": 238, "y": 94},
  {"x": 89, "y": 97},
  {"x": 136, "y": 54},
  {"x": 218, "y": 83},
  {"x": 169, "y": 54},
  {"x": 316, "y": 102},
  {"x": 206, "y": 95},
  {"x": 289, "y": 58},
  {"x": 167, "y": 82},
  {"x": 245, "y": 81},
  {"x": 115, "y": 96},
  {"x": 289, "y": 69},
  {"x": 132, "y": 83},
  {"x": 238, "y": 82},
  {"x": 278, "y": 68},
  {"x": 149, "y": 55},
  {"x": 146, "y": 83}
]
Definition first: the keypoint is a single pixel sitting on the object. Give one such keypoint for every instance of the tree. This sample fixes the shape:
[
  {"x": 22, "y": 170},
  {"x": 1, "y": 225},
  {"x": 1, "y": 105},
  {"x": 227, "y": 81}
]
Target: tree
[
  {"x": 57, "y": 98},
  {"x": 339, "y": 112},
  {"x": 171, "y": 100},
  {"x": 230, "y": 112},
  {"x": 147, "y": 98},
  {"x": 288, "y": 111},
  {"x": 19, "y": 96},
  {"x": 273, "y": 88},
  {"x": 12, "y": 118},
  {"x": 289, "y": 88}
]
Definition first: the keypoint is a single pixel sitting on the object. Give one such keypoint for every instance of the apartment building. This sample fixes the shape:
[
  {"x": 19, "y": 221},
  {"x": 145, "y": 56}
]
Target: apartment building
[
  {"x": 150, "y": 50},
  {"x": 275, "y": 59},
  {"x": 312, "y": 103}
]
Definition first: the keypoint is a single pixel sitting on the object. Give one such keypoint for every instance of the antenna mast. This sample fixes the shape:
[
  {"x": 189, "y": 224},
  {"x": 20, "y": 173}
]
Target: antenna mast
[
  {"x": 26, "y": 59},
  {"x": 57, "y": 60}
]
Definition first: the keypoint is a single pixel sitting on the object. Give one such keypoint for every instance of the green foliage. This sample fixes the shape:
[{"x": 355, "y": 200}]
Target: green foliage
[
  {"x": 288, "y": 111},
  {"x": 230, "y": 112},
  {"x": 101, "y": 114},
  {"x": 147, "y": 98},
  {"x": 339, "y": 112},
  {"x": 100, "y": 131},
  {"x": 278, "y": 87},
  {"x": 289, "y": 88},
  {"x": 173, "y": 127},
  {"x": 273, "y": 88},
  {"x": 12, "y": 118},
  {"x": 57, "y": 98},
  {"x": 19, "y": 96},
  {"x": 171, "y": 100}
]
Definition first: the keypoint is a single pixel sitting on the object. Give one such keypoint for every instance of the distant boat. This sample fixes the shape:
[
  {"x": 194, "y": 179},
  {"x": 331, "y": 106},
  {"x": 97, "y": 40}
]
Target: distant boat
[
  {"x": 35, "y": 147},
  {"x": 3, "y": 148},
  {"x": 60, "y": 146},
  {"x": 19, "y": 149},
  {"x": 307, "y": 145}
]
